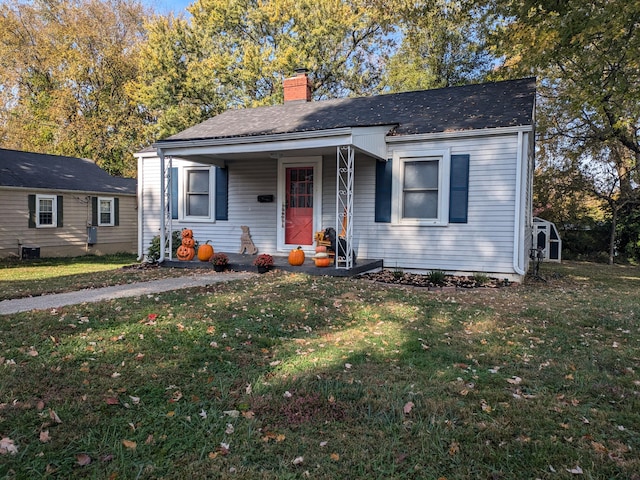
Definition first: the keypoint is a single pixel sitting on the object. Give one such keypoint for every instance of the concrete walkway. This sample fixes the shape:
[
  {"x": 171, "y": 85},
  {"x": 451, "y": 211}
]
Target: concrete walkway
[{"x": 45, "y": 302}]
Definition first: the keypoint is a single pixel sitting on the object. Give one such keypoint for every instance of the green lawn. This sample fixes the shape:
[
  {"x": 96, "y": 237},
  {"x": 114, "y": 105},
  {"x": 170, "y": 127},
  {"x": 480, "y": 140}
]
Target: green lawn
[
  {"x": 289, "y": 376},
  {"x": 20, "y": 279}
]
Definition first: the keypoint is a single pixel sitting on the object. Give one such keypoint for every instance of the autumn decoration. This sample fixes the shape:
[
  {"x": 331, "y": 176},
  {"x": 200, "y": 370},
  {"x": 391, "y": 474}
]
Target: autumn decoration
[
  {"x": 186, "y": 251},
  {"x": 322, "y": 259},
  {"x": 296, "y": 257},
  {"x": 264, "y": 262},
  {"x": 205, "y": 252}
]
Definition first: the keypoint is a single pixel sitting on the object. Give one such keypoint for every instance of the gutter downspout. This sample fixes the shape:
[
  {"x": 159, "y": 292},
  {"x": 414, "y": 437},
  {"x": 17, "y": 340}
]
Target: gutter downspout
[
  {"x": 517, "y": 224},
  {"x": 163, "y": 233},
  {"x": 140, "y": 202}
]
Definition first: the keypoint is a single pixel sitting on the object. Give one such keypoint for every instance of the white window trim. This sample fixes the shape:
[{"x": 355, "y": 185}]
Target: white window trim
[
  {"x": 111, "y": 223},
  {"x": 54, "y": 206},
  {"x": 183, "y": 173},
  {"x": 400, "y": 157}
]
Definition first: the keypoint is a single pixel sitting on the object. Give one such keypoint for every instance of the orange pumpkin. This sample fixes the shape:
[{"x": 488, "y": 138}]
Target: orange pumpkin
[
  {"x": 296, "y": 257},
  {"x": 188, "y": 242},
  {"x": 185, "y": 253},
  {"x": 321, "y": 249},
  {"x": 322, "y": 262},
  {"x": 205, "y": 252},
  {"x": 187, "y": 233}
]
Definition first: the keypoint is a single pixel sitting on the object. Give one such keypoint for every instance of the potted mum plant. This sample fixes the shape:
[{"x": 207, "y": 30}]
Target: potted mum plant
[
  {"x": 219, "y": 261},
  {"x": 264, "y": 262}
]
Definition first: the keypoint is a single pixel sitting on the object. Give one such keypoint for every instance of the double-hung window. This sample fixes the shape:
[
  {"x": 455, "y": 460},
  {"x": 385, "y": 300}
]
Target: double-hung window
[
  {"x": 105, "y": 211},
  {"x": 422, "y": 188},
  {"x": 197, "y": 193},
  {"x": 46, "y": 210}
]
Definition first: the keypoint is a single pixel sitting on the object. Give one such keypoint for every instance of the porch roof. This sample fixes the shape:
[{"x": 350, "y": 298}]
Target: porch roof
[{"x": 370, "y": 140}]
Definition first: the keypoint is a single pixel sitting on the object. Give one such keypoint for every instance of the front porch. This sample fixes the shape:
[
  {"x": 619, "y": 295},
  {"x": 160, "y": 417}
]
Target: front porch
[{"x": 244, "y": 263}]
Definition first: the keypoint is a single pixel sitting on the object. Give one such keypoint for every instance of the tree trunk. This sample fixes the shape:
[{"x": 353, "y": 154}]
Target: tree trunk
[{"x": 612, "y": 236}]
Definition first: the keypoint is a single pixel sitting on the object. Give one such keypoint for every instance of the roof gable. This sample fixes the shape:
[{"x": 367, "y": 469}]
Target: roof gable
[
  {"x": 54, "y": 172},
  {"x": 488, "y": 105}
]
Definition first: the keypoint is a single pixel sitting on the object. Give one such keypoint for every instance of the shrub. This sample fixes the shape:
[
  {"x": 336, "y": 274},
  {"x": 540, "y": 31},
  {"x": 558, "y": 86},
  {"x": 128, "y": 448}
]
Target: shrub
[
  {"x": 153, "y": 253},
  {"x": 436, "y": 277}
]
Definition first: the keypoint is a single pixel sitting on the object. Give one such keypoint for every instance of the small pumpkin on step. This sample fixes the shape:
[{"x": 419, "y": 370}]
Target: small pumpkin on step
[{"x": 296, "y": 257}]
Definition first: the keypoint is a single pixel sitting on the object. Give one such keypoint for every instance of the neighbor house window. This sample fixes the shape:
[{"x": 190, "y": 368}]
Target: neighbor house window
[
  {"x": 46, "y": 210},
  {"x": 105, "y": 211},
  {"x": 197, "y": 192}
]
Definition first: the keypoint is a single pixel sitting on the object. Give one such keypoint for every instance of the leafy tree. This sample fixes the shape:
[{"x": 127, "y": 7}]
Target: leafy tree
[
  {"x": 236, "y": 53},
  {"x": 586, "y": 57},
  {"x": 64, "y": 65},
  {"x": 442, "y": 45}
]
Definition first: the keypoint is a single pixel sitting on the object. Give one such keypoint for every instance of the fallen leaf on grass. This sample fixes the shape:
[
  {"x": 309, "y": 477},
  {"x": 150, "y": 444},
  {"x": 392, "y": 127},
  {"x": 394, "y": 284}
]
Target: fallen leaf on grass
[
  {"x": 129, "y": 444},
  {"x": 407, "y": 407},
  {"x": 576, "y": 470},
  {"x": 54, "y": 416},
  {"x": 454, "y": 448},
  {"x": 44, "y": 436},
  {"x": 7, "y": 446},
  {"x": 230, "y": 429},
  {"x": 112, "y": 401},
  {"x": 298, "y": 460},
  {"x": 514, "y": 380},
  {"x": 335, "y": 457},
  {"x": 83, "y": 459}
]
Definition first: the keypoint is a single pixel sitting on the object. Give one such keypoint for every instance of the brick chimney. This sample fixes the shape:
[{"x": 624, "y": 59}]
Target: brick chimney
[{"x": 298, "y": 88}]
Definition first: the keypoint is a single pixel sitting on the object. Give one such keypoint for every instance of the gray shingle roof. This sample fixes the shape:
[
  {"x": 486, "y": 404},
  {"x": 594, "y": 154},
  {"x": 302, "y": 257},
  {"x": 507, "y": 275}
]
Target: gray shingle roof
[
  {"x": 53, "y": 172},
  {"x": 488, "y": 105}
]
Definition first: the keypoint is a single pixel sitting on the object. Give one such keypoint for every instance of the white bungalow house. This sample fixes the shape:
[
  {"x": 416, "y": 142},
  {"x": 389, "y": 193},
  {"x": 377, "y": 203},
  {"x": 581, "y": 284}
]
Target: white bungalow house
[{"x": 435, "y": 179}]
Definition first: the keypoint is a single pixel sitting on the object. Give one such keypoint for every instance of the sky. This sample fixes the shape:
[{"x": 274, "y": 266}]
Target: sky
[{"x": 166, "y": 6}]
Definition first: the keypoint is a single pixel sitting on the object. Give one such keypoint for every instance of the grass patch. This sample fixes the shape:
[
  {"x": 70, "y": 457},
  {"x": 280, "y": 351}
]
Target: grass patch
[
  {"x": 26, "y": 278},
  {"x": 358, "y": 379}
]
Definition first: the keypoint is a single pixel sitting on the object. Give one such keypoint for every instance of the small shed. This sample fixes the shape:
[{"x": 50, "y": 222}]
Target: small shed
[{"x": 547, "y": 240}]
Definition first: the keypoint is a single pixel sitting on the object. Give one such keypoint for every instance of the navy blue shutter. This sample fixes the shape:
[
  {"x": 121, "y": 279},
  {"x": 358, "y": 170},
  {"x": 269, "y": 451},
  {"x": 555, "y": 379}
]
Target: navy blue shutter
[
  {"x": 383, "y": 191},
  {"x": 94, "y": 210},
  {"x": 222, "y": 194},
  {"x": 174, "y": 193},
  {"x": 59, "y": 218},
  {"x": 32, "y": 211},
  {"x": 116, "y": 212},
  {"x": 459, "y": 189}
]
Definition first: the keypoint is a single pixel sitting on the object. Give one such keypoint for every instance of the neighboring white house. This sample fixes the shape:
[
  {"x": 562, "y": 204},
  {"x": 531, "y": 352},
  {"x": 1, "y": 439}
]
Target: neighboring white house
[{"x": 435, "y": 179}]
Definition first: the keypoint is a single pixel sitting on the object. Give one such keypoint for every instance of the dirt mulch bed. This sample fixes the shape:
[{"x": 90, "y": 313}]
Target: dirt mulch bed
[{"x": 449, "y": 282}]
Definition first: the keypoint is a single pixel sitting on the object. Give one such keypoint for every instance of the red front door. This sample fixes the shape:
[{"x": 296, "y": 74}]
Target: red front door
[{"x": 299, "y": 206}]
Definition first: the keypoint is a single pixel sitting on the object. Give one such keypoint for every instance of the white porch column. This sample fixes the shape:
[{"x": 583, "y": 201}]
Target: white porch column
[{"x": 344, "y": 206}]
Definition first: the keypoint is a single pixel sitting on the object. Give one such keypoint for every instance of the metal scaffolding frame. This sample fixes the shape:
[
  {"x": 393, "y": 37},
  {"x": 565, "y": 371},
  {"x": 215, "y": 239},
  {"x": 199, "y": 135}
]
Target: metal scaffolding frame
[
  {"x": 166, "y": 226},
  {"x": 344, "y": 207}
]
